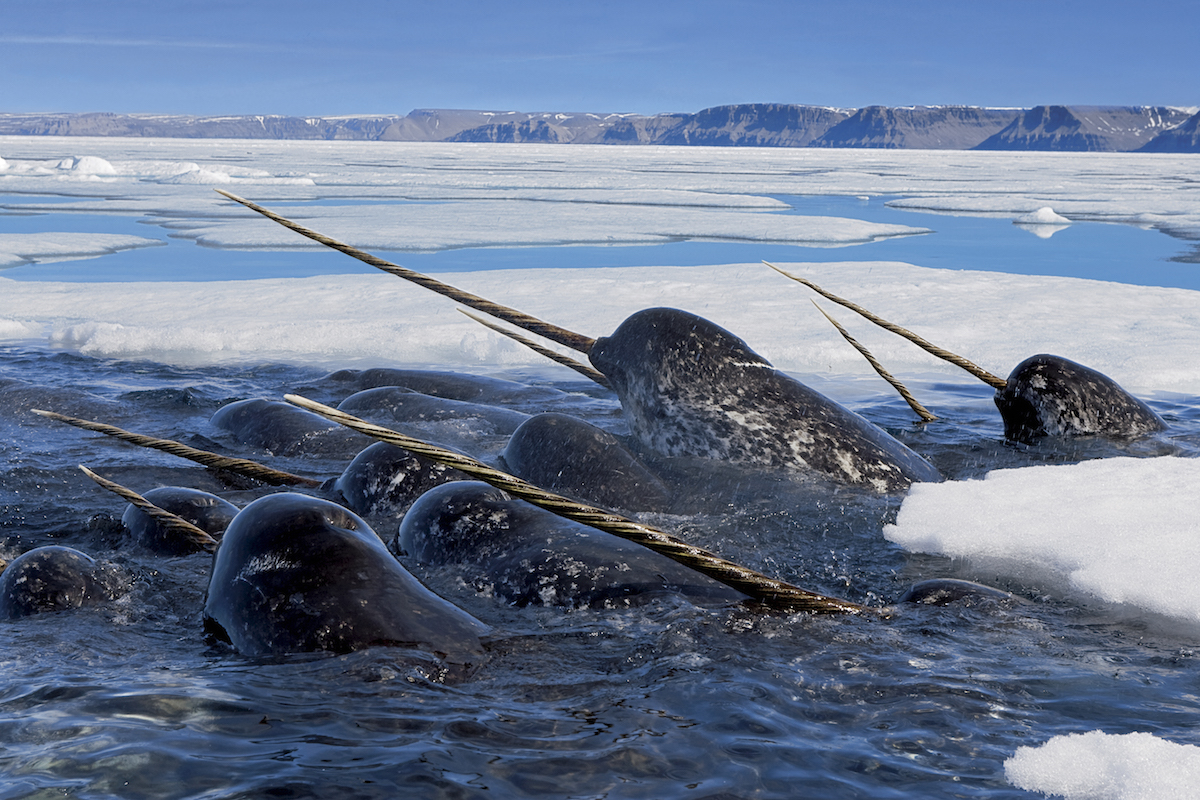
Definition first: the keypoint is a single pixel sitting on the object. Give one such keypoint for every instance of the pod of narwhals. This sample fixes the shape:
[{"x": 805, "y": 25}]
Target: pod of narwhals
[{"x": 296, "y": 572}]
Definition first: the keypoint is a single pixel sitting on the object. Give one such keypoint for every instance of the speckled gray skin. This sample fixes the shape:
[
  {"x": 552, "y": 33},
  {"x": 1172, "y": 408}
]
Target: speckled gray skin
[
  {"x": 384, "y": 480},
  {"x": 206, "y": 511},
  {"x": 1052, "y": 396},
  {"x": 525, "y": 555},
  {"x": 450, "y": 385},
  {"x": 691, "y": 388},
  {"x": 295, "y": 573},
  {"x": 55, "y": 578},
  {"x": 284, "y": 430},
  {"x": 945, "y": 591},
  {"x": 389, "y": 405},
  {"x": 566, "y": 455}
]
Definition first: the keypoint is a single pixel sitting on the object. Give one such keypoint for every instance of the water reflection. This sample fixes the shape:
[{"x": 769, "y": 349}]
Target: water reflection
[{"x": 1101, "y": 251}]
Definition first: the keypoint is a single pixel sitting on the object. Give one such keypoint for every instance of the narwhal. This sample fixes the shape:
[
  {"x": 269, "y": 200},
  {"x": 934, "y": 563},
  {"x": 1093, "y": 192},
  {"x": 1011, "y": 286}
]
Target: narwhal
[
  {"x": 1044, "y": 395},
  {"x": 690, "y": 388}
]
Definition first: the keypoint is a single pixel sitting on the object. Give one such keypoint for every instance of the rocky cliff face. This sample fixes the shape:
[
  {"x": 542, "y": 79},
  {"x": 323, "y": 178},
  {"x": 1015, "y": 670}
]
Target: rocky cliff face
[
  {"x": 1105, "y": 128},
  {"x": 1183, "y": 138},
  {"x": 919, "y": 127},
  {"x": 753, "y": 125},
  {"x": 1086, "y": 128},
  {"x": 239, "y": 127},
  {"x": 568, "y": 128}
]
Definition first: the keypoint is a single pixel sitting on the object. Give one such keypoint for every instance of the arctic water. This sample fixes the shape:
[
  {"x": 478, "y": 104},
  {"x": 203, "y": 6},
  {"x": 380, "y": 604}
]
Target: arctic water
[{"x": 665, "y": 698}]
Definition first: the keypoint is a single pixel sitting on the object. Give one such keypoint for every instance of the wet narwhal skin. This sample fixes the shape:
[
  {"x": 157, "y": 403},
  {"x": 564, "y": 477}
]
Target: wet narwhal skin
[
  {"x": 282, "y": 429},
  {"x": 566, "y": 455},
  {"x": 384, "y": 480},
  {"x": 56, "y": 578},
  {"x": 691, "y": 388},
  {"x": 388, "y": 405},
  {"x": 947, "y": 591},
  {"x": 524, "y": 555},
  {"x": 295, "y": 573},
  {"x": 450, "y": 385},
  {"x": 206, "y": 511},
  {"x": 1050, "y": 395}
]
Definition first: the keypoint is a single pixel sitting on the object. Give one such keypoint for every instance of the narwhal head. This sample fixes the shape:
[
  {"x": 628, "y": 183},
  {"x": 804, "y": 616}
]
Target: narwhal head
[{"x": 677, "y": 375}]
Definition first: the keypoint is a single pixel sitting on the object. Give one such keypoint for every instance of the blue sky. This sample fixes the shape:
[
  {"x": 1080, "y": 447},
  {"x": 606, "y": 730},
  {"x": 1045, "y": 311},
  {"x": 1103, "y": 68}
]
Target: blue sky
[{"x": 390, "y": 56}]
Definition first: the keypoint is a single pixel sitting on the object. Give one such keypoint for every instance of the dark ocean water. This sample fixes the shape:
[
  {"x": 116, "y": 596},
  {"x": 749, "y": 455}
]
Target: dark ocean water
[{"x": 663, "y": 700}]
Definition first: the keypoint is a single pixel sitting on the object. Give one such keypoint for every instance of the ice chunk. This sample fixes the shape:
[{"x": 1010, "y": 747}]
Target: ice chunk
[
  {"x": 87, "y": 165},
  {"x": 1043, "y": 216},
  {"x": 1042, "y": 223},
  {"x": 1101, "y": 766},
  {"x": 1127, "y": 534},
  {"x": 198, "y": 176}
]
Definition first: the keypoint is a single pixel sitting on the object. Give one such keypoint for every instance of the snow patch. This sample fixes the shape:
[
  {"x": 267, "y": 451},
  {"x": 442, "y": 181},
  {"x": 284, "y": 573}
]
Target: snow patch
[
  {"x": 1101, "y": 766},
  {"x": 87, "y": 165},
  {"x": 198, "y": 176},
  {"x": 1127, "y": 536}
]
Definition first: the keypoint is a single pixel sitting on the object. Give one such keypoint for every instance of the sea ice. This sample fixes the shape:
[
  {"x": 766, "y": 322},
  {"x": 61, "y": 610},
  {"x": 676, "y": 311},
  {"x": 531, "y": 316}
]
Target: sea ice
[
  {"x": 1127, "y": 519},
  {"x": 25, "y": 248},
  {"x": 1114, "y": 187},
  {"x": 87, "y": 165},
  {"x": 1101, "y": 766},
  {"x": 1043, "y": 216},
  {"x": 199, "y": 176},
  {"x": 1146, "y": 338}
]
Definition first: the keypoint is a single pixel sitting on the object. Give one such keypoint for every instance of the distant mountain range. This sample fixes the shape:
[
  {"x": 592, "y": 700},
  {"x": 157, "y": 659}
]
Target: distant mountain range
[{"x": 1157, "y": 129}]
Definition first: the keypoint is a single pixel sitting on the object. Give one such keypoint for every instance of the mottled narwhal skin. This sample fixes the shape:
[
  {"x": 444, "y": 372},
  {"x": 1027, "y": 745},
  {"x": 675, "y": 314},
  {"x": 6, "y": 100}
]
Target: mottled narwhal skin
[
  {"x": 295, "y": 573},
  {"x": 525, "y": 555},
  {"x": 450, "y": 385},
  {"x": 947, "y": 591},
  {"x": 1050, "y": 395},
  {"x": 566, "y": 455},
  {"x": 283, "y": 429},
  {"x": 389, "y": 405},
  {"x": 56, "y": 578},
  {"x": 206, "y": 511},
  {"x": 384, "y": 480},
  {"x": 691, "y": 388}
]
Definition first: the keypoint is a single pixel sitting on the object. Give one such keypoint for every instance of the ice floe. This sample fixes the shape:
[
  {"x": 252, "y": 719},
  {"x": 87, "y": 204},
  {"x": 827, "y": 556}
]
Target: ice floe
[
  {"x": 25, "y": 248},
  {"x": 1146, "y": 338},
  {"x": 1101, "y": 766},
  {"x": 1128, "y": 534}
]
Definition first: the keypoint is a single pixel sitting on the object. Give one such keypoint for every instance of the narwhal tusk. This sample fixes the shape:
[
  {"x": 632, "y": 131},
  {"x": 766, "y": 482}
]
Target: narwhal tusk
[
  {"x": 770, "y": 591},
  {"x": 925, "y": 414},
  {"x": 241, "y": 466},
  {"x": 575, "y": 341},
  {"x": 172, "y": 522},
  {"x": 583, "y": 369},
  {"x": 979, "y": 372}
]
